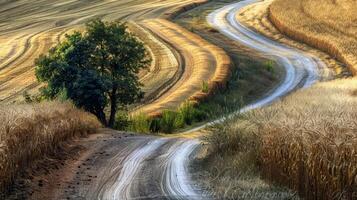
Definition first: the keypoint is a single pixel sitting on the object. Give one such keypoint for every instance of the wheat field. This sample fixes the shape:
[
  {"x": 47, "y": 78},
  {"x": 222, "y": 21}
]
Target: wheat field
[
  {"x": 307, "y": 141},
  {"x": 329, "y": 25},
  {"x": 30, "y": 132}
]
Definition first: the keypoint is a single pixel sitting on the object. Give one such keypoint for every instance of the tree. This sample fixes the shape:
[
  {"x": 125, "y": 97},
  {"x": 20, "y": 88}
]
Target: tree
[{"x": 96, "y": 69}]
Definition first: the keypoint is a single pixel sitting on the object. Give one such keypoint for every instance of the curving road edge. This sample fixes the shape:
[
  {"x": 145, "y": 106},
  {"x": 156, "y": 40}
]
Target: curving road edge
[
  {"x": 158, "y": 168},
  {"x": 301, "y": 70}
]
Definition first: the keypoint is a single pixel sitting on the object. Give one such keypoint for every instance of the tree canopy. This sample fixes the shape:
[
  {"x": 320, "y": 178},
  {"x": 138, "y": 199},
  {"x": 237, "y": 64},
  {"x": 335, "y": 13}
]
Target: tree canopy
[{"x": 95, "y": 69}]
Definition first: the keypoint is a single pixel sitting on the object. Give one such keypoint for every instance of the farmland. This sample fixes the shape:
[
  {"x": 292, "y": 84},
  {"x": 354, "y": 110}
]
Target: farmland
[
  {"x": 281, "y": 129},
  {"x": 30, "y": 28},
  {"x": 330, "y": 28}
]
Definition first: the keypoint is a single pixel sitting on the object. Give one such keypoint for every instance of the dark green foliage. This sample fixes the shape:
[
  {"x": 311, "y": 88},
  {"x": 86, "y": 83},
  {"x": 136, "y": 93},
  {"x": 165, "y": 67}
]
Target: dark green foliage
[
  {"x": 155, "y": 125},
  {"x": 168, "y": 121},
  {"x": 95, "y": 69},
  {"x": 199, "y": 115},
  {"x": 122, "y": 121},
  {"x": 186, "y": 111}
]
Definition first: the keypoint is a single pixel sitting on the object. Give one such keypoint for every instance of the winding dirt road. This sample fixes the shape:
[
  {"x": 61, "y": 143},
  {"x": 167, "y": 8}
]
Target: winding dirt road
[{"x": 146, "y": 167}]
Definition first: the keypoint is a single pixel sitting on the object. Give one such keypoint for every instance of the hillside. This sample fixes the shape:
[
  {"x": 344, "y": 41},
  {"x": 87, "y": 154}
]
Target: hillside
[{"x": 329, "y": 25}]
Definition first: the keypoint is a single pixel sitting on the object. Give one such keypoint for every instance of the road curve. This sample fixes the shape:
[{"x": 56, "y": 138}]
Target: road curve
[
  {"x": 302, "y": 70},
  {"x": 157, "y": 168}
]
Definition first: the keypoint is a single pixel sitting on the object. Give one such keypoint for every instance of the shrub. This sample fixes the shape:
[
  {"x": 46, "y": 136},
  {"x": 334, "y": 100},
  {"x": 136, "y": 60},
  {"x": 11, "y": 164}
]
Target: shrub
[
  {"x": 140, "y": 123},
  {"x": 269, "y": 66},
  {"x": 168, "y": 122},
  {"x": 205, "y": 87},
  {"x": 155, "y": 125},
  {"x": 199, "y": 115},
  {"x": 186, "y": 111},
  {"x": 122, "y": 121}
]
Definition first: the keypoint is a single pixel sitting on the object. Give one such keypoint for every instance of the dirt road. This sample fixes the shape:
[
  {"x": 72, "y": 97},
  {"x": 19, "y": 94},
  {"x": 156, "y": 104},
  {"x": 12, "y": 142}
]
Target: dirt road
[{"x": 123, "y": 166}]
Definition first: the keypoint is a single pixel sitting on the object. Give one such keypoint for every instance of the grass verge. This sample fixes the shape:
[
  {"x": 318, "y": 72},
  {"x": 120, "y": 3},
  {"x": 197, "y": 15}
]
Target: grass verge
[{"x": 30, "y": 132}]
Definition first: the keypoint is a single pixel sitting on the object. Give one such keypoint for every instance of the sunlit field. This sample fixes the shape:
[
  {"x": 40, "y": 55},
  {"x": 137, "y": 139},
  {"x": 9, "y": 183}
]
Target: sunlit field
[
  {"x": 32, "y": 132},
  {"x": 328, "y": 25},
  {"x": 307, "y": 141}
]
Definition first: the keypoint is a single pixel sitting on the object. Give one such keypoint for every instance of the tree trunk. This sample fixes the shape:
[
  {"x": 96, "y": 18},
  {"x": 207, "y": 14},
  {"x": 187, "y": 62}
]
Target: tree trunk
[
  {"x": 113, "y": 105},
  {"x": 101, "y": 117}
]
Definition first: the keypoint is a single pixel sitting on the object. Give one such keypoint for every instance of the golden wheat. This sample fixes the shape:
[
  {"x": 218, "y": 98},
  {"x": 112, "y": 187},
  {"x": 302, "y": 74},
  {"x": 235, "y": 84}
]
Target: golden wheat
[
  {"x": 30, "y": 132},
  {"x": 204, "y": 62},
  {"x": 309, "y": 140},
  {"x": 328, "y": 25}
]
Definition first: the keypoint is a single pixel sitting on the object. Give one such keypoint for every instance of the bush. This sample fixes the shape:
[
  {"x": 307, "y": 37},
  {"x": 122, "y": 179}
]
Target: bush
[
  {"x": 122, "y": 121},
  {"x": 140, "y": 123},
  {"x": 269, "y": 65},
  {"x": 205, "y": 87},
  {"x": 155, "y": 125},
  {"x": 186, "y": 111},
  {"x": 199, "y": 115},
  {"x": 169, "y": 121}
]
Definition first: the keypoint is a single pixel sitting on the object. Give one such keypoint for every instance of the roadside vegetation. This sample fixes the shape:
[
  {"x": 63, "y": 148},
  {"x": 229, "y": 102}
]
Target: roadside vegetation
[
  {"x": 203, "y": 62},
  {"x": 31, "y": 132},
  {"x": 307, "y": 141},
  {"x": 240, "y": 89}
]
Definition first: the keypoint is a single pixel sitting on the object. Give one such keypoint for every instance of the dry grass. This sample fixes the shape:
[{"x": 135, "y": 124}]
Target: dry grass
[
  {"x": 308, "y": 141},
  {"x": 31, "y": 132},
  {"x": 328, "y": 25},
  {"x": 203, "y": 62}
]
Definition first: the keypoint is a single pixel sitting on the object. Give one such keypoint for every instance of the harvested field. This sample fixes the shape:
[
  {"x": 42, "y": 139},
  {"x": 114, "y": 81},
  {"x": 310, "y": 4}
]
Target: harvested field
[
  {"x": 255, "y": 16},
  {"x": 203, "y": 61},
  {"x": 166, "y": 67},
  {"x": 32, "y": 132},
  {"x": 29, "y": 28},
  {"x": 328, "y": 25}
]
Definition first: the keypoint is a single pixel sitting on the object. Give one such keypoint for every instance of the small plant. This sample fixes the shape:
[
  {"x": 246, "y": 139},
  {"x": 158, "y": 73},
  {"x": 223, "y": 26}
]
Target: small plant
[
  {"x": 186, "y": 111},
  {"x": 122, "y": 121},
  {"x": 269, "y": 65},
  {"x": 27, "y": 97},
  {"x": 168, "y": 122},
  {"x": 140, "y": 123},
  {"x": 205, "y": 87},
  {"x": 155, "y": 125}
]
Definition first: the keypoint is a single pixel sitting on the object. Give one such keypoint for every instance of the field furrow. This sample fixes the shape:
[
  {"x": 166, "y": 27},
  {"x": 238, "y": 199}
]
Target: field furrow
[
  {"x": 203, "y": 63},
  {"x": 31, "y": 28},
  {"x": 166, "y": 67}
]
